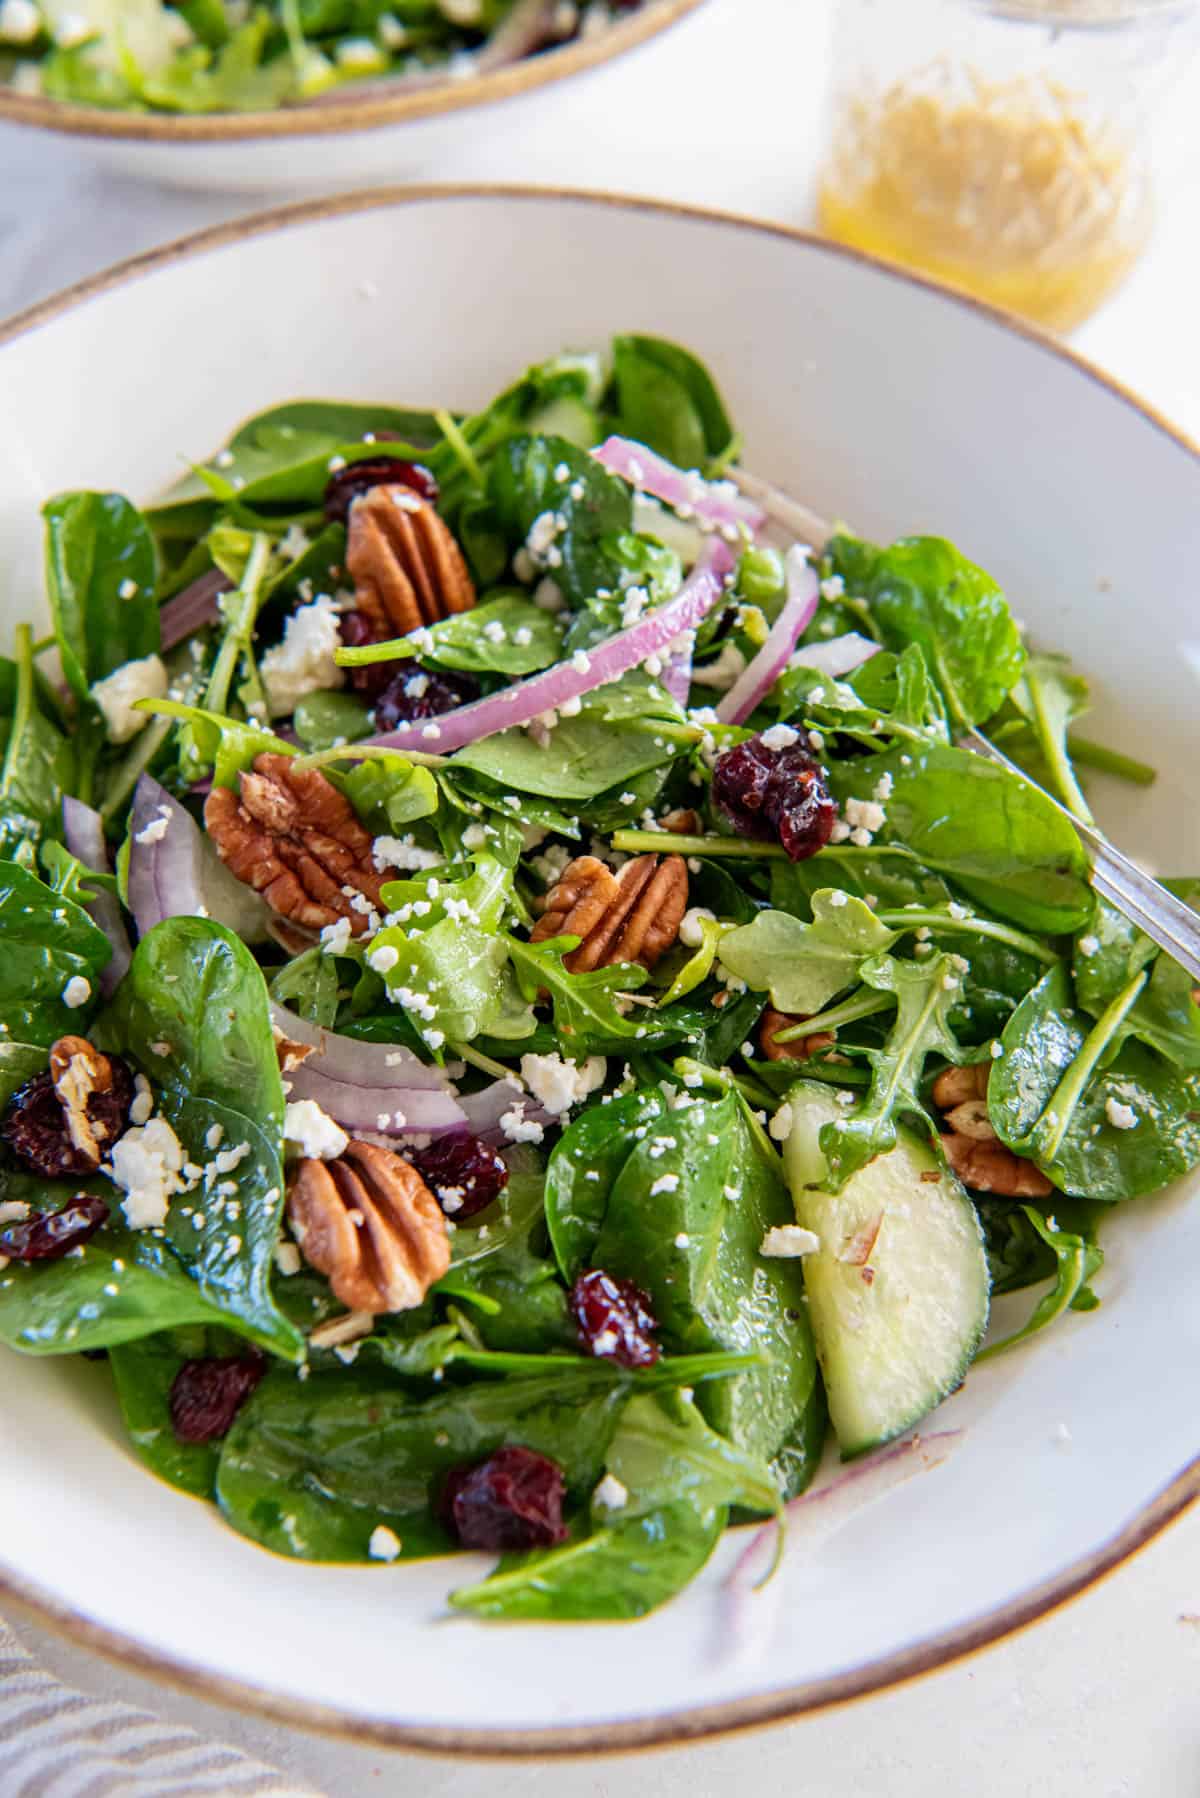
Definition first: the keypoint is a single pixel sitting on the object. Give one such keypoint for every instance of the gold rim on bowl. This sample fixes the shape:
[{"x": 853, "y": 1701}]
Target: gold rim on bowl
[
  {"x": 675, "y": 1728},
  {"x": 350, "y": 114}
]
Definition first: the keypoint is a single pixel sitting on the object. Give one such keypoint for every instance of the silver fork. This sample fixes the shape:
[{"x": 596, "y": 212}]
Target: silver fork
[{"x": 1165, "y": 919}]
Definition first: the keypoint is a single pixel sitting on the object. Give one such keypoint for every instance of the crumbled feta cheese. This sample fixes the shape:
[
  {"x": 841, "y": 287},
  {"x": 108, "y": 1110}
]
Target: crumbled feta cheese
[
  {"x": 560, "y": 1084},
  {"x": 20, "y": 21},
  {"x": 786, "y": 1241},
  {"x": 384, "y": 958},
  {"x": 781, "y": 1123},
  {"x": 865, "y": 814},
  {"x": 312, "y": 1132},
  {"x": 335, "y": 938},
  {"x": 143, "y": 1100},
  {"x": 837, "y": 898},
  {"x": 77, "y": 992},
  {"x": 518, "y": 1128},
  {"x": 1089, "y": 945},
  {"x": 832, "y": 587},
  {"x": 610, "y": 1494},
  {"x": 780, "y": 736},
  {"x": 691, "y": 933},
  {"x": 1121, "y": 1117},
  {"x": 664, "y": 1183},
  {"x": 385, "y": 1544},
  {"x": 683, "y": 1240},
  {"x": 156, "y": 829},
  {"x": 404, "y": 854},
  {"x": 287, "y": 1258},
  {"x": 303, "y": 662},
  {"x": 118, "y": 693},
  {"x": 146, "y": 1164}
]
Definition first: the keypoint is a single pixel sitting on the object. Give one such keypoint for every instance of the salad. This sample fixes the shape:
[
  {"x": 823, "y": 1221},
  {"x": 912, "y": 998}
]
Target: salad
[
  {"x": 202, "y": 56},
  {"x": 518, "y": 1023}
]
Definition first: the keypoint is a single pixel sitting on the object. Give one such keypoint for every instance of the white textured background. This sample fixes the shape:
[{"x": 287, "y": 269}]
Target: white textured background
[{"x": 1102, "y": 1700}]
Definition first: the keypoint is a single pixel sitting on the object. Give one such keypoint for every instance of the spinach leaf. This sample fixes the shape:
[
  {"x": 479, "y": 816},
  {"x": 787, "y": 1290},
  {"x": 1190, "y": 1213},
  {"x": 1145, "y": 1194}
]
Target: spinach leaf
[
  {"x": 535, "y": 477},
  {"x": 583, "y": 1166},
  {"x": 1166, "y": 1017},
  {"x": 327, "y": 720},
  {"x": 19, "y": 1062},
  {"x": 506, "y": 635},
  {"x": 1105, "y": 1130},
  {"x": 194, "y": 1013},
  {"x": 668, "y": 400},
  {"x": 38, "y": 763},
  {"x": 925, "y": 995},
  {"x": 1077, "y": 1260},
  {"x": 143, "y": 1373},
  {"x": 685, "y": 1219},
  {"x": 998, "y": 838},
  {"x": 311, "y": 1468},
  {"x": 49, "y": 942},
  {"x": 923, "y": 590},
  {"x": 308, "y": 985},
  {"x": 584, "y": 756},
  {"x": 681, "y": 1479},
  {"x": 804, "y": 966},
  {"x": 101, "y": 572}
]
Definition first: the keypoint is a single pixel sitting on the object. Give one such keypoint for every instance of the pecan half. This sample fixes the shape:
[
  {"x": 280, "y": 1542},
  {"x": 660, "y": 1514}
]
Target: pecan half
[
  {"x": 990, "y": 1167},
  {"x": 406, "y": 567},
  {"x": 800, "y": 1048},
  {"x": 81, "y": 1073},
  {"x": 294, "y": 838},
  {"x": 371, "y": 1225},
  {"x": 954, "y": 1086},
  {"x": 633, "y": 914}
]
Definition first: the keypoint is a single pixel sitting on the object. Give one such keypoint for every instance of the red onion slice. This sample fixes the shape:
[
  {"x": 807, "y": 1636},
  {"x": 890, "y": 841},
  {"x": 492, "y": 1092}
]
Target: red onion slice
[
  {"x": 194, "y": 607},
  {"x": 677, "y": 668},
  {"x": 83, "y": 830},
  {"x": 351, "y": 1060},
  {"x": 715, "y": 505},
  {"x": 485, "y": 1108},
  {"x": 545, "y": 692},
  {"x": 760, "y": 675},
  {"x": 841, "y": 655},
  {"x": 174, "y": 871},
  {"x": 380, "y": 1088}
]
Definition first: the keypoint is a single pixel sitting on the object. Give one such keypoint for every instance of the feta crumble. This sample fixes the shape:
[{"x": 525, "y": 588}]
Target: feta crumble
[
  {"x": 304, "y": 661},
  {"x": 559, "y": 1084},
  {"x": 1121, "y": 1117},
  {"x": 77, "y": 992},
  {"x": 312, "y": 1132},
  {"x": 786, "y": 1241},
  {"x": 610, "y": 1494},
  {"x": 146, "y": 1164},
  {"x": 691, "y": 933},
  {"x": 118, "y": 693},
  {"x": 385, "y": 1544}
]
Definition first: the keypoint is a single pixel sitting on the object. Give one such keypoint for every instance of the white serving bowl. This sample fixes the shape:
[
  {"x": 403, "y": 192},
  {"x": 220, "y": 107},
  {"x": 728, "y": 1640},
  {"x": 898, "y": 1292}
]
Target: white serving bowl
[
  {"x": 354, "y": 136},
  {"x": 872, "y": 396}
]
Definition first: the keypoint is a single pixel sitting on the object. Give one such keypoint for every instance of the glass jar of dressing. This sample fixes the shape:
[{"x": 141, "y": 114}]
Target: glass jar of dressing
[{"x": 1002, "y": 146}]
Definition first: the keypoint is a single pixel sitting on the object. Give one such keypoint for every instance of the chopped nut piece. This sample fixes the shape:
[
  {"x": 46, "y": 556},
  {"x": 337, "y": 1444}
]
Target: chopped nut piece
[
  {"x": 294, "y": 839},
  {"x": 630, "y": 916},
  {"x": 990, "y": 1167},
  {"x": 681, "y": 824},
  {"x": 954, "y": 1086},
  {"x": 406, "y": 567},
  {"x": 971, "y": 1119},
  {"x": 371, "y": 1225},
  {"x": 336, "y": 1331},
  {"x": 800, "y": 1048},
  {"x": 79, "y": 1071}
]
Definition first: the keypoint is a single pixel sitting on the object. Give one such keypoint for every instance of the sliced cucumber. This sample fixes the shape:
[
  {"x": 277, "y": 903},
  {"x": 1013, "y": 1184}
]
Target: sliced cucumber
[
  {"x": 570, "y": 418},
  {"x": 898, "y": 1291}
]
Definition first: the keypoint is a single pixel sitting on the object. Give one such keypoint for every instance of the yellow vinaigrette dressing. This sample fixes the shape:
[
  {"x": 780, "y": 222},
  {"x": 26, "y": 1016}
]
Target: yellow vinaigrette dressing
[{"x": 1002, "y": 188}]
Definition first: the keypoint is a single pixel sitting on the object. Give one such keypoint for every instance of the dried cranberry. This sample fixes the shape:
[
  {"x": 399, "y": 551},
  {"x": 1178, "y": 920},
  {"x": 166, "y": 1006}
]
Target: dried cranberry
[
  {"x": 357, "y": 478},
  {"x": 49, "y": 1235},
  {"x": 614, "y": 1319},
  {"x": 357, "y": 630},
  {"x": 775, "y": 794},
  {"x": 207, "y": 1395},
  {"x": 463, "y": 1174},
  {"x": 514, "y": 1499},
  {"x": 419, "y": 693},
  {"x": 35, "y": 1124}
]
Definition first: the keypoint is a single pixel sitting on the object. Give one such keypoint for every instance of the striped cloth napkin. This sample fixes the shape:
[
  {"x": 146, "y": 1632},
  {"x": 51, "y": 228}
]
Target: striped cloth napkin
[{"x": 59, "y": 1743}]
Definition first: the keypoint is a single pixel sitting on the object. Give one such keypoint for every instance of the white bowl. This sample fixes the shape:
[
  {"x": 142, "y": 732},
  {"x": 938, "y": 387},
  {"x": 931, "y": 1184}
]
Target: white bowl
[
  {"x": 872, "y": 396},
  {"x": 354, "y": 136}
]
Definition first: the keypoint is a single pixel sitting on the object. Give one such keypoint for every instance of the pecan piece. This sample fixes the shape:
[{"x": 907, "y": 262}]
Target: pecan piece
[
  {"x": 406, "y": 567},
  {"x": 680, "y": 823},
  {"x": 371, "y": 1225},
  {"x": 632, "y": 915},
  {"x": 294, "y": 838},
  {"x": 954, "y": 1086},
  {"x": 800, "y": 1047},
  {"x": 79, "y": 1071},
  {"x": 990, "y": 1167}
]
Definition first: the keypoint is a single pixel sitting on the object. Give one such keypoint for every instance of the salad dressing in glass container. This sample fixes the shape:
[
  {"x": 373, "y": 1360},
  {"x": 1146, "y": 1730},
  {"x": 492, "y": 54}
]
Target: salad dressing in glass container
[{"x": 1001, "y": 145}]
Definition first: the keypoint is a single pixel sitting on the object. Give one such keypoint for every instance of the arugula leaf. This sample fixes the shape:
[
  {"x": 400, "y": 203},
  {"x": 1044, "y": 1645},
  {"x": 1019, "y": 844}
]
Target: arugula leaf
[
  {"x": 585, "y": 1005},
  {"x": 308, "y": 985},
  {"x": 1077, "y": 1261},
  {"x": 926, "y": 992},
  {"x": 96, "y": 545},
  {"x": 804, "y": 966},
  {"x": 674, "y": 1225},
  {"x": 525, "y": 485},
  {"x": 668, "y": 400},
  {"x": 38, "y": 762},
  {"x": 998, "y": 838},
  {"x": 193, "y": 1011},
  {"x": 457, "y": 957},
  {"x": 681, "y": 1479},
  {"x": 923, "y": 590},
  {"x": 49, "y": 941}
]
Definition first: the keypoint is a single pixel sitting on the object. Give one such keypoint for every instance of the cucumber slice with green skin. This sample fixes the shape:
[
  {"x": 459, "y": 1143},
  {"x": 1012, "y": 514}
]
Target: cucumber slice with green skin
[
  {"x": 898, "y": 1291},
  {"x": 570, "y": 418}
]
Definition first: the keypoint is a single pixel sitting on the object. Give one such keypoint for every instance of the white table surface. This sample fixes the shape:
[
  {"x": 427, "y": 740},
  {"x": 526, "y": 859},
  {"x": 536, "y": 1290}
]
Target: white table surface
[{"x": 1100, "y": 1700}]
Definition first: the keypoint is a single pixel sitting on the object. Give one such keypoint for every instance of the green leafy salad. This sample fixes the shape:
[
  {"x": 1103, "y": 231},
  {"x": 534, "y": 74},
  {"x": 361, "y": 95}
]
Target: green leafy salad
[
  {"x": 518, "y": 1022},
  {"x": 204, "y": 56}
]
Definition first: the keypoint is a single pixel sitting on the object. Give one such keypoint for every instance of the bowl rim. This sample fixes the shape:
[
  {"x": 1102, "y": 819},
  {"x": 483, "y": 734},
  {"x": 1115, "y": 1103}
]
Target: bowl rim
[
  {"x": 361, "y": 113},
  {"x": 679, "y": 1727}
]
